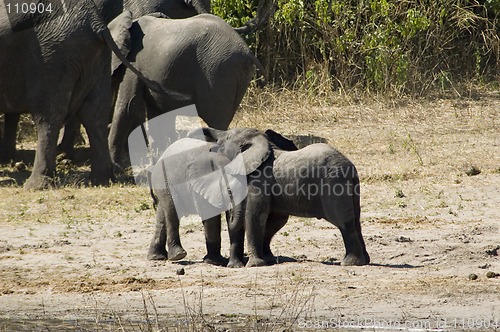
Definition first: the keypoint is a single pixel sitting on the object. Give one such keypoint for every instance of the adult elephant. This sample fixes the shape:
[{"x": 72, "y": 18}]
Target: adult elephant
[
  {"x": 108, "y": 10},
  {"x": 201, "y": 57},
  {"x": 316, "y": 181},
  {"x": 53, "y": 64}
]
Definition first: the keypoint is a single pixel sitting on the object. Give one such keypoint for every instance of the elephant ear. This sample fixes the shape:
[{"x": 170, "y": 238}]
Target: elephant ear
[
  {"x": 208, "y": 177},
  {"x": 119, "y": 29},
  {"x": 280, "y": 141}
]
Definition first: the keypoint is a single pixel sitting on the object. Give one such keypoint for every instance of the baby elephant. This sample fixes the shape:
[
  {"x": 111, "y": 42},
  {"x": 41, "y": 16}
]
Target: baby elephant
[{"x": 316, "y": 181}]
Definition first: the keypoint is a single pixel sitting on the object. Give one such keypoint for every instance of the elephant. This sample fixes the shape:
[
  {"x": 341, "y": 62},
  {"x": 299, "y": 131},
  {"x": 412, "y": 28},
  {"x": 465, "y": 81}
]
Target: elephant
[
  {"x": 278, "y": 175},
  {"x": 187, "y": 170},
  {"x": 201, "y": 57},
  {"x": 62, "y": 63},
  {"x": 108, "y": 10}
]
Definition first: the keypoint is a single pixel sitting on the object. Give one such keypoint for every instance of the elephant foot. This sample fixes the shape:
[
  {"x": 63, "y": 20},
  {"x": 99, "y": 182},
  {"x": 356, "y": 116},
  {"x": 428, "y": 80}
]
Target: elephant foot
[
  {"x": 235, "y": 263},
  {"x": 254, "y": 261},
  {"x": 102, "y": 180},
  {"x": 176, "y": 253},
  {"x": 39, "y": 182},
  {"x": 157, "y": 254},
  {"x": 270, "y": 259},
  {"x": 217, "y": 260},
  {"x": 353, "y": 260}
]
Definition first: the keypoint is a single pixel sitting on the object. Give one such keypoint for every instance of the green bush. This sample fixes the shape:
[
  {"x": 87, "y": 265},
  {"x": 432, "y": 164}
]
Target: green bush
[{"x": 376, "y": 45}]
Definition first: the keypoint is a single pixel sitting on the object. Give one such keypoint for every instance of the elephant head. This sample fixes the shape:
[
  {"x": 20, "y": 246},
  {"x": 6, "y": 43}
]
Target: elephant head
[{"x": 246, "y": 148}]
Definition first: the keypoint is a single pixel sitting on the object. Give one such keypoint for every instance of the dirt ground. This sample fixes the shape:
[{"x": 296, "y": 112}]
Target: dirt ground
[{"x": 74, "y": 258}]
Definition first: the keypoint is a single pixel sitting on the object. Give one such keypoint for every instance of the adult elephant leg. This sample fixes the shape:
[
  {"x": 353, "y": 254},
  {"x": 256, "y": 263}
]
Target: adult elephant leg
[
  {"x": 129, "y": 112},
  {"x": 94, "y": 115},
  {"x": 157, "y": 248},
  {"x": 8, "y": 144},
  {"x": 274, "y": 223},
  {"x": 44, "y": 166},
  {"x": 212, "y": 228}
]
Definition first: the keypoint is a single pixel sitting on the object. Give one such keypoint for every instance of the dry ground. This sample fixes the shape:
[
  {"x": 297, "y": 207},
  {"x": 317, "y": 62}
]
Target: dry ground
[{"x": 74, "y": 258}]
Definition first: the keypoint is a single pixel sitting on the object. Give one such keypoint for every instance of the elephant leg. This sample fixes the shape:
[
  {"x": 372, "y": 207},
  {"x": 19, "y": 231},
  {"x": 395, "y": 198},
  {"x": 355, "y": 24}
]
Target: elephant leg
[
  {"x": 175, "y": 250},
  {"x": 157, "y": 248},
  {"x": 342, "y": 212},
  {"x": 71, "y": 131},
  {"x": 274, "y": 223},
  {"x": 44, "y": 166},
  {"x": 212, "y": 228},
  {"x": 94, "y": 115},
  {"x": 257, "y": 212},
  {"x": 129, "y": 112},
  {"x": 8, "y": 144},
  {"x": 235, "y": 225}
]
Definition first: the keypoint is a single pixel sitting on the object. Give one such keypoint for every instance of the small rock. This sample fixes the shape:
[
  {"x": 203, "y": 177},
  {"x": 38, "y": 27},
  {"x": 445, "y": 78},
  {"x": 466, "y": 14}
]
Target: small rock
[
  {"x": 20, "y": 166},
  {"x": 491, "y": 274},
  {"x": 180, "y": 272},
  {"x": 403, "y": 239},
  {"x": 472, "y": 276},
  {"x": 399, "y": 194},
  {"x": 484, "y": 266},
  {"x": 471, "y": 170},
  {"x": 493, "y": 252}
]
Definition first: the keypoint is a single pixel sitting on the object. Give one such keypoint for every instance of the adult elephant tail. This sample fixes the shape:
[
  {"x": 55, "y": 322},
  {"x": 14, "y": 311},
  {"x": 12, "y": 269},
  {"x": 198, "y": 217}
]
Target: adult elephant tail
[
  {"x": 121, "y": 24},
  {"x": 261, "y": 73}
]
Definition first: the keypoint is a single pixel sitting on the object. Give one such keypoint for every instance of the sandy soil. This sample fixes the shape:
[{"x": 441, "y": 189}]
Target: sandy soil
[{"x": 75, "y": 258}]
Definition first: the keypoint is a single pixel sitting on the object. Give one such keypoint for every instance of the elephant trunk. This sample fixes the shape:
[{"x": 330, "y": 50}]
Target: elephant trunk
[{"x": 201, "y": 6}]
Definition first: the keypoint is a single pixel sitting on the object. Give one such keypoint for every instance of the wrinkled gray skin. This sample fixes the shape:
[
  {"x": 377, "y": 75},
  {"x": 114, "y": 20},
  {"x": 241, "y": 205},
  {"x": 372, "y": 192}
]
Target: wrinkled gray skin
[
  {"x": 108, "y": 10},
  {"x": 316, "y": 181},
  {"x": 70, "y": 79},
  {"x": 201, "y": 57},
  {"x": 189, "y": 166}
]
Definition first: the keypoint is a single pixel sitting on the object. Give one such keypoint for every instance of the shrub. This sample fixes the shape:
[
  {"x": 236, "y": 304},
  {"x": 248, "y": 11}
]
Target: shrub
[{"x": 376, "y": 45}]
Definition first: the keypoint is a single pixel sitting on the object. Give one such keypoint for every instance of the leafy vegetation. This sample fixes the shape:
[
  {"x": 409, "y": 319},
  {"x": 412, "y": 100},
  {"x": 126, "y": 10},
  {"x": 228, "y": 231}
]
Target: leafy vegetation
[{"x": 380, "y": 46}]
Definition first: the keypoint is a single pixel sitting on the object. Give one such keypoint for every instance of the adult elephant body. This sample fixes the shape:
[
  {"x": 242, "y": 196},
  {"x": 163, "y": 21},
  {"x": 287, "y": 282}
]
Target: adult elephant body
[
  {"x": 201, "y": 57},
  {"x": 54, "y": 65},
  {"x": 107, "y": 10}
]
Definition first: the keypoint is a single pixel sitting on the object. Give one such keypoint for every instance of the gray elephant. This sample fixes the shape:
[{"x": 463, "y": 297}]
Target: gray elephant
[
  {"x": 108, "y": 10},
  {"x": 316, "y": 181},
  {"x": 187, "y": 171},
  {"x": 201, "y": 57},
  {"x": 45, "y": 71}
]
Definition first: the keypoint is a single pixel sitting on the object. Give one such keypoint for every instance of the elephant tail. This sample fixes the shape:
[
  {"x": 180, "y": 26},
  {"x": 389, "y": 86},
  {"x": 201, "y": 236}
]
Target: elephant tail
[{"x": 261, "y": 73}]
